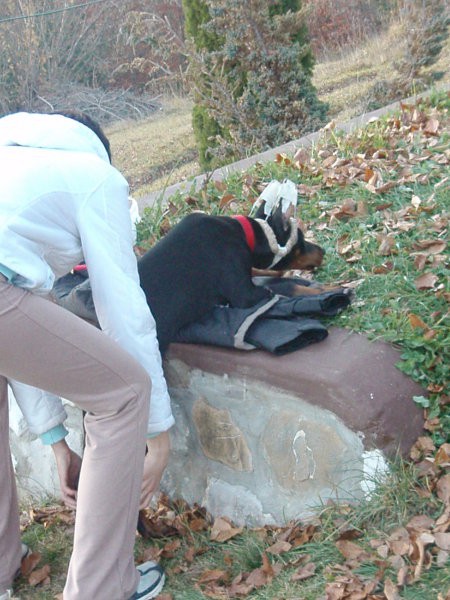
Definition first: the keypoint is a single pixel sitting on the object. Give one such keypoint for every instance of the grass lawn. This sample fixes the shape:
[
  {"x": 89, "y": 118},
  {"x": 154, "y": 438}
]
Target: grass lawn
[{"x": 378, "y": 200}]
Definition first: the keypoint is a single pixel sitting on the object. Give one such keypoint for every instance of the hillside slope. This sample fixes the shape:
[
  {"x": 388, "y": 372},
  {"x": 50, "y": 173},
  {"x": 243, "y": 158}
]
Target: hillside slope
[{"x": 160, "y": 151}]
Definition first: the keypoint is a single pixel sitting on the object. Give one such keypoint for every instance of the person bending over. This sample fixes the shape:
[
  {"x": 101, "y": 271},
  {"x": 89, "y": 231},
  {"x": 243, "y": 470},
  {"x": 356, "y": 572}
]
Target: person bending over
[{"x": 62, "y": 202}]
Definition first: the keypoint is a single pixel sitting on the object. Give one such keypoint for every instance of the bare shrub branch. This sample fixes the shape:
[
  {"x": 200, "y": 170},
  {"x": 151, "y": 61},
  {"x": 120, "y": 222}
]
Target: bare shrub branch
[{"x": 103, "y": 105}]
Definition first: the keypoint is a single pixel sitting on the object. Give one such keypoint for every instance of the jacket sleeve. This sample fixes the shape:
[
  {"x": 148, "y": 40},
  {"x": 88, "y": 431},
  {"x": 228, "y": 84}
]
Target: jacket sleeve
[
  {"x": 41, "y": 410},
  {"x": 107, "y": 241}
]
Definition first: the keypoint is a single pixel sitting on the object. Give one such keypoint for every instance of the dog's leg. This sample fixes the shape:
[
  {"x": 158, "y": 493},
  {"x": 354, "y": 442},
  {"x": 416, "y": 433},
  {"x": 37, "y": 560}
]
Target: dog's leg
[
  {"x": 295, "y": 286},
  {"x": 310, "y": 290},
  {"x": 266, "y": 273}
]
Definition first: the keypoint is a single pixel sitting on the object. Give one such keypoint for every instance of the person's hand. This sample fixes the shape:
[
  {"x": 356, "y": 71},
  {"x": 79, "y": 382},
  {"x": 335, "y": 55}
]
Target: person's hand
[
  {"x": 155, "y": 462},
  {"x": 69, "y": 464}
]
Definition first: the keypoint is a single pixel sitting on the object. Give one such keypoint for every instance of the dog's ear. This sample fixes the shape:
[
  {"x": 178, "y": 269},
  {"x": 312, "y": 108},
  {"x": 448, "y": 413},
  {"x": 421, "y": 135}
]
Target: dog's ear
[
  {"x": 276, "y": 214},
  {"x": 283, "y": 217},
  {"x": 277, "y": 202},
  {"x": 281, "y": 224},
  {"x": 259, "y": 214}
]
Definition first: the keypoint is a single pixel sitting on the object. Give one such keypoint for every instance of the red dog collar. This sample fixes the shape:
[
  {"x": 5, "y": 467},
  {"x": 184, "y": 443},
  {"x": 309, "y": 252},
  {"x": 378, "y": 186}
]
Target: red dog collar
[
  {"x": 248, "y": 230},
  {"x": 80, "y": 268}
]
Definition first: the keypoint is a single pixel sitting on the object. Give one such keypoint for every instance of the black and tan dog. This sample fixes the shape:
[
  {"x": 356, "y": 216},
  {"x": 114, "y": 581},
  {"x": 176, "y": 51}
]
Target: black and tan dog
[{"x": 207, "y": 260}]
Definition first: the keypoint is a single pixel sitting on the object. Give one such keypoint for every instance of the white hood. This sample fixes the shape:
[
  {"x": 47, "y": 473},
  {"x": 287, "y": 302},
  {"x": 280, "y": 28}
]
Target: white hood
[{"x": 54, "y": 132}]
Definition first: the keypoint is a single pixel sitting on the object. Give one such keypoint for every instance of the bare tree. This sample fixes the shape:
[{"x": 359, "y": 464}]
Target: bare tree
[{"x": 151, "y": 49}]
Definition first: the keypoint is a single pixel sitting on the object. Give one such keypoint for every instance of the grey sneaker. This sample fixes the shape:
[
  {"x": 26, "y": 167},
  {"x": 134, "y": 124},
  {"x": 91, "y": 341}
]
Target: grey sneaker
[
  {"x": 151, "y": 581},
  {"x": 6, "y": 595}
]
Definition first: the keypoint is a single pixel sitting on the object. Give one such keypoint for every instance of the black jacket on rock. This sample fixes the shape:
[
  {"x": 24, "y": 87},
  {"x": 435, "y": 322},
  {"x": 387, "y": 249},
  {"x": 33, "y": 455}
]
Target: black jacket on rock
[{"x": 279, "y": 325}]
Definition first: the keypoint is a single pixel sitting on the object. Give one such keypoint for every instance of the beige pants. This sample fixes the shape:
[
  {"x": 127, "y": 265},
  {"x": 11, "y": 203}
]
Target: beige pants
[{"x": 45, "y": 346}]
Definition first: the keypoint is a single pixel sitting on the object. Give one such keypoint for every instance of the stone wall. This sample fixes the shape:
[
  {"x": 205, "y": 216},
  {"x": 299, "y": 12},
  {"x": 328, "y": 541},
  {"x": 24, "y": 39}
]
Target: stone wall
[
  {"x": 254, "y": 452},
  {"x": 264, "y": 439}
]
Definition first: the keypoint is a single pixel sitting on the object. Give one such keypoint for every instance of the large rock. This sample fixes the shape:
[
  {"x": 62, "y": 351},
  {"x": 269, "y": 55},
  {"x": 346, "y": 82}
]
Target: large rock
[{"x": 263, "y": 439}]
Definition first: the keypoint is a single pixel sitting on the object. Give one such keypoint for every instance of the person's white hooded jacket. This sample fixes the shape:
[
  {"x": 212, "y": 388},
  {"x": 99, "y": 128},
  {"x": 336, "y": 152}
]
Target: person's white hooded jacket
[{"x": 62, "y": 202}]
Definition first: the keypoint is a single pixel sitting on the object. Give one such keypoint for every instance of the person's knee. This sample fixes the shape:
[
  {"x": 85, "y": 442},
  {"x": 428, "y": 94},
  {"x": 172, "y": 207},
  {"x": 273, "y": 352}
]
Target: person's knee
[
  {"x": 142, "y": 385},
  {"x": 146, "y": 383}
]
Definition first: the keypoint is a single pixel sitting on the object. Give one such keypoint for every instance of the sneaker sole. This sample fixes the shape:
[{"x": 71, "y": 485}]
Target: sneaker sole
[{"x": 155, "y": 592}]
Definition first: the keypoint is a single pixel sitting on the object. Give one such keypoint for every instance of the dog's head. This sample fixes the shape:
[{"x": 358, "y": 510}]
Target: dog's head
[{"x": 294, "y": 252}]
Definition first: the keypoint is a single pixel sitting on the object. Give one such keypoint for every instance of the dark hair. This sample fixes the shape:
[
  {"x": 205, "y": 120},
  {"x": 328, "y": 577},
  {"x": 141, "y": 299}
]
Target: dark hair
[{"x": 86, "y": 120}]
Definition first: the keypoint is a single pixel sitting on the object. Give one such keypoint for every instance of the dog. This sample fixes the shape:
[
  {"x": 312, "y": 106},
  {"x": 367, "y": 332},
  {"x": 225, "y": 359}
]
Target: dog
[{"x": 206, "y": 260}]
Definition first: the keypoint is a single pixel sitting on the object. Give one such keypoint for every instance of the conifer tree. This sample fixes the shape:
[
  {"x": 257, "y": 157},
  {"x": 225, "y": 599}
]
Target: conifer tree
[
  {"x": 251, "y": 74},
  {"x": 206, "y": 128}
]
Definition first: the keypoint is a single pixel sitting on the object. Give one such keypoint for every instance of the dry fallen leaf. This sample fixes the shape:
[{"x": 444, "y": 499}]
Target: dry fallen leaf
[
  {"x": 442, "y": 523},
  {"x": 279, "y": 547},
  {"x": 427, "y": 281},
  {"x": 302, "y": 156},
  {"x": 442, "y": 541},
  {"x": 283, "y": 159},
  {"x": 226, "y": 199},
  {"x": 29, "y": 563},
  {"x": 40, "y": 576},
  {"x": 169, "y": 549},
  {"x": 238, "y": 588},
  {"x": 420, "y": 260},
  {"x": 352, "y": 551},
  {"x": 213, "y": 575},
  {"x": 383, "y": 551},
  {"x": 420, "y": 523},
  {"x": 258, "y": 578},
  {"x": 442, "y": 558},
  {"x": 399, "y": 541},
  {"x": 416, "y": 322},
  {"x": 220, "y": 185},
  {"x": 423, "y": 447},
  {"x": 430, "y": 246},
  {"x": 443, "y": 489},
  {"x": 442, "y": 457},
  {"x": 403, "y": 576},
  {"x": 150, "y": 553},
  {"x": 391, "y": 591},
  {"x": 431, "y": 126},
  {"x": 151, "y": 525},
  {"x": 387, "y": 244},
  {"x": 222, "y": 530},
  {"x": 304, "y": 572}
]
